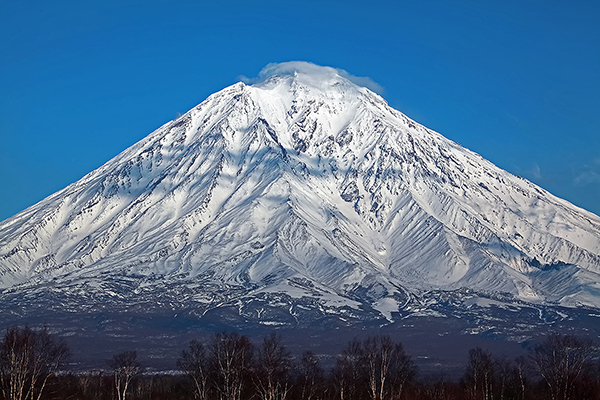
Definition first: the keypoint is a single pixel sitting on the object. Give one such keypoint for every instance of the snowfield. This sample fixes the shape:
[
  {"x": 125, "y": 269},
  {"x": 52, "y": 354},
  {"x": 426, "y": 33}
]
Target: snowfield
[{"x": 303, "y": 193}]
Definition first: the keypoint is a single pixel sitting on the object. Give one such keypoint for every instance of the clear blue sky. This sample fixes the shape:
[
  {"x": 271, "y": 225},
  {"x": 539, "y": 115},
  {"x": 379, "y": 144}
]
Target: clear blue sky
[{"x": 516, "y": 81}]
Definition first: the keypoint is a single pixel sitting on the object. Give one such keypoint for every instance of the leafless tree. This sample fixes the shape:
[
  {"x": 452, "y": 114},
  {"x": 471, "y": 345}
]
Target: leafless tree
[
  {"x": 348, "y": 373},
  {"x": 561, "y": 360},
  {"x": 193, "y": 362},
  {"x": 520, "y": 377},
  {"x": 272, "y": 369},
  {"x": 311, "y": 375},
  {"x": 387, "y": 366},
  {"x": 376, "y": 358},
  {"x": 402, "y": 370},
  {"x": 503, "y": 374},
  {"x": 28, "y": 358},
  {"x": 230, "y": 356},
  {"x": 125, "y": 366},
  {"x": 479, "y": 374},
  {"x": 377, "y": 368}
]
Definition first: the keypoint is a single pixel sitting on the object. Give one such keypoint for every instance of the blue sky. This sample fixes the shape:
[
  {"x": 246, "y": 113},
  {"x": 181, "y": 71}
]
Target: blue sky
[{"x": 515, "y": 81}]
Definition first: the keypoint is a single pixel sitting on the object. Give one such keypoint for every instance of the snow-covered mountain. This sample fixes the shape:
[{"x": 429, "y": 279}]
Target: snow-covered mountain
[{"x": 299, "y": 196}]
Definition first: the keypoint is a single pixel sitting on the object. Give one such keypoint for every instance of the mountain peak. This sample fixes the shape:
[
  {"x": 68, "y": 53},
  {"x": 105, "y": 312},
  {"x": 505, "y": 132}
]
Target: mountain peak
[{"x": 309, "y": 185}]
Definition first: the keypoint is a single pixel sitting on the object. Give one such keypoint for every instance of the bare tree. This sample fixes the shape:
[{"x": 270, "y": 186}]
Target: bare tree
[
  {"x": 387, "y": 366},
  {"x": 519, "y": 377},
  {"x": 125, "y": 366},
  {"x": 377, "y": 368},
  {"x": 311, "y": 375},
  {"x": 28, "y": 359},
  {"x": 376, "y": 359},
  {"x": 402, "y": 371},
  {"x": 503, "y": 376},
  {"x": 479, "y": 374},
  {"x": 272, "y": 370},
  {"x": 561, "y": 361},
  {"x": 230, "y": 357},
  {"x": 348, "y": 373},
  {"x": 193, "y": 362}
]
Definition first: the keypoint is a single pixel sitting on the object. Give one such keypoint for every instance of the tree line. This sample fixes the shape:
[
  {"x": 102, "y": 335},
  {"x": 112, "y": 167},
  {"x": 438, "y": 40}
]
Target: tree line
[{"x": 228, "y": 366}]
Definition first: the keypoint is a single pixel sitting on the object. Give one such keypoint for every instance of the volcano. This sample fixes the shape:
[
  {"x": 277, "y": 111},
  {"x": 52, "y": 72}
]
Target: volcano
[{"x": 297, "y": 199}]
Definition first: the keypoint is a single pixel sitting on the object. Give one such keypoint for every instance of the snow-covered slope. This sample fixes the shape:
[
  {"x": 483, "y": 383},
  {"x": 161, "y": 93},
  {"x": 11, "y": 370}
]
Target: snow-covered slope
[{"x": 303, "y": 189}]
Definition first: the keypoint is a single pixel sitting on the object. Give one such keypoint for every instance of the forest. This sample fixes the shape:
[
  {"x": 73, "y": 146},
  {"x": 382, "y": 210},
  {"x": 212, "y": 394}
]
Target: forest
[{"x": 229, "y": 366}]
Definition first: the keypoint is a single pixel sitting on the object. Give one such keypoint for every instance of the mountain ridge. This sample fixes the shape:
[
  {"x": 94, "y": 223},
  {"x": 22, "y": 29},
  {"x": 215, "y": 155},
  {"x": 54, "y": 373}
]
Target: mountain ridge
[{"x": 308, "y": 186}]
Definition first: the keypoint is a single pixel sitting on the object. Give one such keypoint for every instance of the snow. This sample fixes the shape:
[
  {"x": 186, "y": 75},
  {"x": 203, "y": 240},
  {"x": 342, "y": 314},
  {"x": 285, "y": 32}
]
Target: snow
[
  {"x": 306, "y": 175},
  {"x": 386, "y": 306}
]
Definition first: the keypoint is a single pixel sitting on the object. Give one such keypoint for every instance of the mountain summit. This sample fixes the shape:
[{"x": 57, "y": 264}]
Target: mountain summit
[{"x": 298, "y": 196}]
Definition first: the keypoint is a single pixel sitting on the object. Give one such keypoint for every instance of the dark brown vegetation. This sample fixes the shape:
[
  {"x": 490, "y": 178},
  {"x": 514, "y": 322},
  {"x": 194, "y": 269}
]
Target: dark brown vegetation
[
  {"x": 28, "y": 359},
  {"x": 230, "y": 367}
]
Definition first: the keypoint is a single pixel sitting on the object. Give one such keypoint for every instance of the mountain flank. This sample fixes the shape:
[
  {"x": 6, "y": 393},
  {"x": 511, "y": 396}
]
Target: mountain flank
[{"x": 300, "y": 200}]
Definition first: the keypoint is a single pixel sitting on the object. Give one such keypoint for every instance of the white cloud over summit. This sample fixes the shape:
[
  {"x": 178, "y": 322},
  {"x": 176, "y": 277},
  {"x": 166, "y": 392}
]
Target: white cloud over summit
[{"x": 290, "y": 67}]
